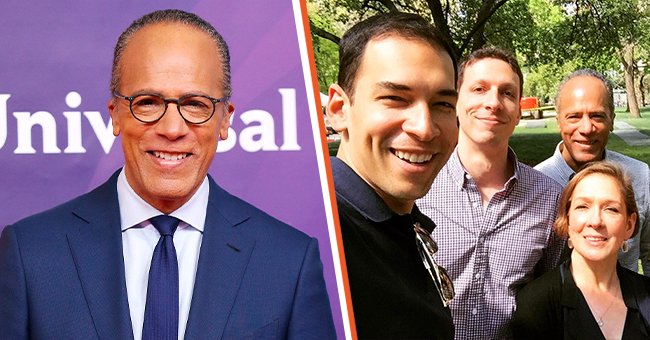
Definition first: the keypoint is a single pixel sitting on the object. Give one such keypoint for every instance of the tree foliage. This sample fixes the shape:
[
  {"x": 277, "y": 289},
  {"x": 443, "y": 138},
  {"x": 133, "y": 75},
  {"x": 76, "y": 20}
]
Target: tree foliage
[
  {"x": 605, "y": 33},
  {"x": 462, "y": 23},
  {"x": 325, "y": 36},
  {"x": 550, "y": 37},
  {"x": 543, "y": 80}
]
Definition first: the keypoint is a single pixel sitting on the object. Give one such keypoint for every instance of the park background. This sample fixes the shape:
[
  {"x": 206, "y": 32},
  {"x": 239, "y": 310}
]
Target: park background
[
  {"x": 55, "y": 133},
  {"x": 550, "y": 38}
]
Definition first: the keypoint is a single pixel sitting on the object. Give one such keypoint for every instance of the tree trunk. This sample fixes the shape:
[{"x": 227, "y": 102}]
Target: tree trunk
[
  {"x": 637, "y": 88},
  {"x": 628, "y": 65},
  {"x": 641, "y": 91},
  {"x": 440, "y": 22},
  {"x": 479, "y": 39}
]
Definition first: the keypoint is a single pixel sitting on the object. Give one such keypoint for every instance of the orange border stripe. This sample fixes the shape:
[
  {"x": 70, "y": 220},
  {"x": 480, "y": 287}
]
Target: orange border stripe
[{"x": 330, "y": 182}]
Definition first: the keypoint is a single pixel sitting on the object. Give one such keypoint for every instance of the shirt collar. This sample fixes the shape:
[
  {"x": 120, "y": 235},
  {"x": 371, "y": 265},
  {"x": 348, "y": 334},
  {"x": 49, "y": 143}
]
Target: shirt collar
[
  {"x": 563, "y": 168},
  {"x": 456, "y": 170},
  {"x": 570, "y": 292},
  {"x": 134, "y": 210},
  {"x": 352, "y": 189},
  {"x": 570, "y": 289},
  {"x": 460, "y": 175},
  {"x": 631, "y": 292}
]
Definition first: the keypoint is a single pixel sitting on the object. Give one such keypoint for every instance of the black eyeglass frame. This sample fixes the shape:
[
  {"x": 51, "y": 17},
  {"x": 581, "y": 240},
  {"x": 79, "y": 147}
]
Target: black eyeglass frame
[
  {"x": 177, "y": 101},
  {"x": 427, "y": 248}
]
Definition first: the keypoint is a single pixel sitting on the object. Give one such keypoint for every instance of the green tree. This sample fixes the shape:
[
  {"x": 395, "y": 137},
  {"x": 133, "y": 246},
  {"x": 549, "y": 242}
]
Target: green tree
[
  {"x": 542, "y": 81},
  {"x": 601, "y": 34},
  {"x": 464, "y": 24},
  {"x": 550, "y": 37},
  {"x": 467, "y": 25},
  {"x": 325, "y": 49}
]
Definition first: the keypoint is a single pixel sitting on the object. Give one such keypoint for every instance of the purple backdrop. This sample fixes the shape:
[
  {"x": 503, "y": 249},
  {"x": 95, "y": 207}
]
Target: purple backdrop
[{"x": 56, "y": 141}]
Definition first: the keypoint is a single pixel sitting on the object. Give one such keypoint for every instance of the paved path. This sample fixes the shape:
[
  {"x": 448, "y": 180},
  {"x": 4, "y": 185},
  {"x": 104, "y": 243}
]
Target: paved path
[{"x": 630, "y": 134}]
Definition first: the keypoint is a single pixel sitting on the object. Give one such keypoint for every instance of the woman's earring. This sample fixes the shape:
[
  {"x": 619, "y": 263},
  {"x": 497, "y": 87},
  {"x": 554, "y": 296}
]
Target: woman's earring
[{"x": 625, "y": 247}]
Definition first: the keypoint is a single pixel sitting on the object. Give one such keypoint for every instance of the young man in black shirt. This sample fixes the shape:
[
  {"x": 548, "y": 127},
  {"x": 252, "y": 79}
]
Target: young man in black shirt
[{"x": 394, "y": 107}]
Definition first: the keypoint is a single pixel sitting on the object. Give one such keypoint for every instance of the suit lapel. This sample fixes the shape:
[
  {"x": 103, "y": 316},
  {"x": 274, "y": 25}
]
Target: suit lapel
[
  {"x": 224, "y": 255},
  {"x": 96, "y": 247}
]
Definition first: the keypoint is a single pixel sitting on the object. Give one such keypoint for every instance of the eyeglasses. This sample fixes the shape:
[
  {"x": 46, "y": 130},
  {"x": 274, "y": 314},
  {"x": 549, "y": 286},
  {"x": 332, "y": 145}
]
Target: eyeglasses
[
  {"x": 427, "y": 248},
  {"x": 194, "y": 108}
]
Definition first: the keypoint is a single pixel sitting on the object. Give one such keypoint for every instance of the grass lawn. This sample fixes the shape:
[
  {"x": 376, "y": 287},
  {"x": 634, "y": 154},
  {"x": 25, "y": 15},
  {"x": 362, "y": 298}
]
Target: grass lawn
[{"x": 534, "y": 145}]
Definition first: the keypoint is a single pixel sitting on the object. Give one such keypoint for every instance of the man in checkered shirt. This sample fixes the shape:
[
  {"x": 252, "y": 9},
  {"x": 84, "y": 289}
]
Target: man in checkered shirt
[{"x": 494, "y": 215}]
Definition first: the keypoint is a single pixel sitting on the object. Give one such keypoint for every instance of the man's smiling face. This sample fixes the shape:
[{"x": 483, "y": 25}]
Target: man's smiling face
[
  {"x": 585, "y": 120},
  {"x": 488, "y": 103},
  {"x": 399, "y": 123},
  {"x": 166, "y": 161}
]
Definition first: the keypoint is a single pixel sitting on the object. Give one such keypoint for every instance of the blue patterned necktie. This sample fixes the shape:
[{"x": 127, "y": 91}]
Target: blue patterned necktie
[{"x": 161, "y": 311}]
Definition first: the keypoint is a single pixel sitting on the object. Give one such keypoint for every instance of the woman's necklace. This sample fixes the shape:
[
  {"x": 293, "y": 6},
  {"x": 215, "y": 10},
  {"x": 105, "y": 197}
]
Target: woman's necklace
[{"x": 599, "y": 320}]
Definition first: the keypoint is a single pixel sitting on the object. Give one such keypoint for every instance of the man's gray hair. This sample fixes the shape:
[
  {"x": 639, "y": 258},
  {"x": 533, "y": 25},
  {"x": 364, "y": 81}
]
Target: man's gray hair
[
  {"x": 587, "y": 72},
  {"x": 171, "y": 16}
]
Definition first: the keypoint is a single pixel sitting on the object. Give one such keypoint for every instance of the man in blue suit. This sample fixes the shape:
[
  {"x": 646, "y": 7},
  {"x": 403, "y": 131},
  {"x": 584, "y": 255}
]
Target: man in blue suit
[{"x": 101, "y": 265}]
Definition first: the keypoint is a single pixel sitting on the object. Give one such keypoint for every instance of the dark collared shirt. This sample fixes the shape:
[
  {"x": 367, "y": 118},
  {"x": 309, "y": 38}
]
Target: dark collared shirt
[
  {"x": 553, "y": 307},
  {"x": 393, "y": 296}
]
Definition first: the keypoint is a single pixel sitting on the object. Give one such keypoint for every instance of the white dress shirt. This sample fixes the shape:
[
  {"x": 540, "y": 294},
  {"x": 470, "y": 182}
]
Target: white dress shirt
[{"x": 139, "y": 238}]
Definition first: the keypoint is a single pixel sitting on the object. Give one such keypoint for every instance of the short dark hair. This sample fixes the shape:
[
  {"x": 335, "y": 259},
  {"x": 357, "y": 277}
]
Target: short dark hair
[
  {"x": 406, "y": 25},
  {"x": 587, "y": 72},
  {"x": 604, "y": 168},
  {"x": 492, "y": 52},
  {"x": 171, "y": 16}
]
